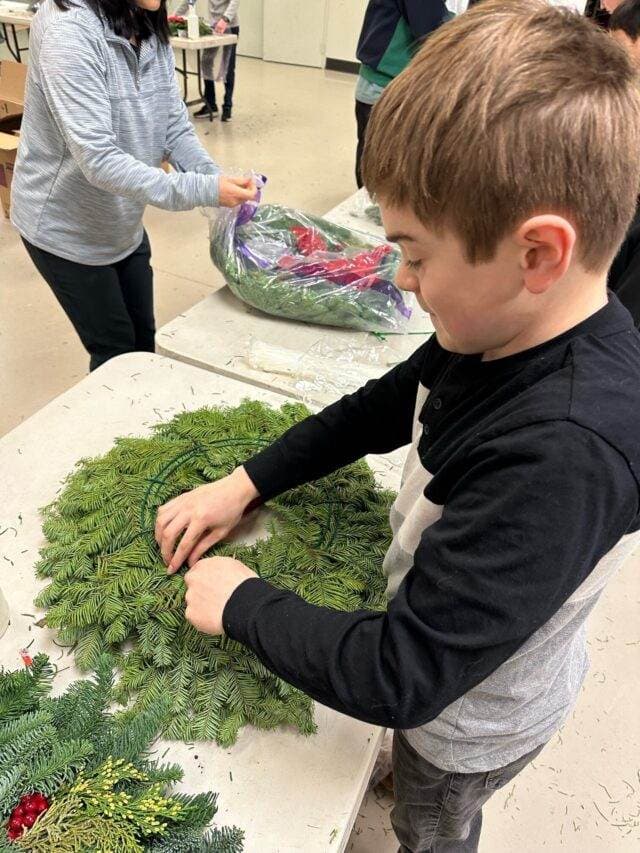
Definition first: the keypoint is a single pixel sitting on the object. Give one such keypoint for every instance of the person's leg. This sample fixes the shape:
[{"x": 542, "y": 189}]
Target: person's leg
[
  {"x": 210, "y": 94},
  {"x": 440, "y": 812},
  {"x": 92, "y": 300},
  {"x": 136, "y": 282},
  {"x": 208, "y": 62},
  {"x": 363, "y": 113},
  {"x": 230, "y": 79}
]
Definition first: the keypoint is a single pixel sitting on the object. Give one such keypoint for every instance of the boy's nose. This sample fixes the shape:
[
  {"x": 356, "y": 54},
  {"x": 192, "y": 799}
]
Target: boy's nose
[{"x": 405, "y": 280}]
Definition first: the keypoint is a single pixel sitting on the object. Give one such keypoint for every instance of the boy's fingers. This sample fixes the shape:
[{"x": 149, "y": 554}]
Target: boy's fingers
[
  {"x": 186, "y": 546},
  {"x": 170, "y": 536},
  {"x": 163, "y": 519},
  {"x": 203, "y": 546}
]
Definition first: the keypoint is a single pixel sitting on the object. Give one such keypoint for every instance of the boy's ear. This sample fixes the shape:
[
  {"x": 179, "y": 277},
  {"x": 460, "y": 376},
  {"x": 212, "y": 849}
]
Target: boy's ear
[{"x": 547, "y": 243}]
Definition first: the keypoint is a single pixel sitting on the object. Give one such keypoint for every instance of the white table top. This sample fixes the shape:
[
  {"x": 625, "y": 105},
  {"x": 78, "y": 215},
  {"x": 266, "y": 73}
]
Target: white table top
[
  {"x": 203, "y": 42},
  {"x": 288, "y": 792},
  {"x": 216, "y": 333},
  {"x": 351, "y": 214},
  {"x": 14, "y": 14}
]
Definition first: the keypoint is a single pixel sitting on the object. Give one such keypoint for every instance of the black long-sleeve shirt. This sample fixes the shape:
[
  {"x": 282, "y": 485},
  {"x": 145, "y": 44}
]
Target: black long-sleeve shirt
[{"x": 527, "y": 477}]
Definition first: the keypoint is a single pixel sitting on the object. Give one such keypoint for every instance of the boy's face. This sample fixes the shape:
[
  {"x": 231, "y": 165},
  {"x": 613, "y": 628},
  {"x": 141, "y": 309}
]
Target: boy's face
[{"x": 474, "y": 308}]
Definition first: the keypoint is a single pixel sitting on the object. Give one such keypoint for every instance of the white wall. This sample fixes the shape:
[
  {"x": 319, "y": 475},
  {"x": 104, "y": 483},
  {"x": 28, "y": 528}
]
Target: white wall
[
  {"x": 343, "y": 28},
  {"x": 295, "y": 31},
  {"x": 251, "y": 28}
]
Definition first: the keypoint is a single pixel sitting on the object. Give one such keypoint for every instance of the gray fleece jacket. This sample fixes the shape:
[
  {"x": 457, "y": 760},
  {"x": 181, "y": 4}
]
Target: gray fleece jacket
[{"x": 98, "y": 122}]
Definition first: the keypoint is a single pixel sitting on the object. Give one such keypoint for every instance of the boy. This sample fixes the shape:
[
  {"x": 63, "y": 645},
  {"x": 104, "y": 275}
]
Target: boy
[
  {"x": 624, "y": 275},
  {"x": 520, "y": 493}
]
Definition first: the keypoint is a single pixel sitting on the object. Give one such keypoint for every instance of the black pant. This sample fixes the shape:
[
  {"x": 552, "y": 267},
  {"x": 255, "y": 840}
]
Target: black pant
[
  {"x": 440, "y": 812},
  {"x": 363, "y": 113},
  {"x": 110, "y": 307},
  {"x": 229, "y": 80}
]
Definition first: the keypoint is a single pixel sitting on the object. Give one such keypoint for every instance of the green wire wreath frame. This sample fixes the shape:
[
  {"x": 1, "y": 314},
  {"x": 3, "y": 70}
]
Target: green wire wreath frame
[{"x": 109, "y": 591}]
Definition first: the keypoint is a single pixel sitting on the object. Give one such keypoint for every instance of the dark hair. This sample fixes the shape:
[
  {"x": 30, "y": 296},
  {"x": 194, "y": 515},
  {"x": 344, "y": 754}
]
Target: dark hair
[
  {"x": 627, "y": 18},
  {"x": 127, "y": 19}
]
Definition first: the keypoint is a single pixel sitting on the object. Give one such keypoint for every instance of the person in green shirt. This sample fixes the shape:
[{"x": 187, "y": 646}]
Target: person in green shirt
[{"x": 392, "y": 32}]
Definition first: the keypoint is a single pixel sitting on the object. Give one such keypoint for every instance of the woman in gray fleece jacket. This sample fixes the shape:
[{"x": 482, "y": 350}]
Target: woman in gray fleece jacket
[{"x": 102, "y": 112}]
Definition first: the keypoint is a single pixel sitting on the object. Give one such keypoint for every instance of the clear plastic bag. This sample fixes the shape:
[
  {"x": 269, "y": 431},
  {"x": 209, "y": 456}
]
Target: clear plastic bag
[
  {"x": 322, "y": 373},
  {"x": 364, "y": 207},
  {"x": 289, "y": 264}
]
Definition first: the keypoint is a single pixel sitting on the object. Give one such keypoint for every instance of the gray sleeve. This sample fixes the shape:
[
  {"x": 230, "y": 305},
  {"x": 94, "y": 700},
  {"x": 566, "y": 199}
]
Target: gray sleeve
[
  {"x": 182, "y": 9},
  {"x": 75, "y": 88},
  {"x": 232, "y": 9},
  {"x": 183, "y": 149}
]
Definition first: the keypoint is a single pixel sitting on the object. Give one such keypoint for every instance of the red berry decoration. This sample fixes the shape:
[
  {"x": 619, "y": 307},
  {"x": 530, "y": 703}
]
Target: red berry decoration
[
  {"x": 26, "y": 813},
  {"x": 41, "y": 801}
]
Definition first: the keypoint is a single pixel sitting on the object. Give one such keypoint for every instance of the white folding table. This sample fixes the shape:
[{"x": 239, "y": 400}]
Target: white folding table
[
  {"x": 217, "y": 332},
  {"x": 13, "y": 18},
  {"x": 186, "y": 45},
  {"x": 288, "y": 792}
]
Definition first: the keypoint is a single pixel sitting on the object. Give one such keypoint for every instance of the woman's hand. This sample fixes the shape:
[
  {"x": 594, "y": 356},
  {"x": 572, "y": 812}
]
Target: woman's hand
[
  {"x": 221, "y": 27},
  {"x": 235, "y": 191},
  {"x": 206, "y": 515}
]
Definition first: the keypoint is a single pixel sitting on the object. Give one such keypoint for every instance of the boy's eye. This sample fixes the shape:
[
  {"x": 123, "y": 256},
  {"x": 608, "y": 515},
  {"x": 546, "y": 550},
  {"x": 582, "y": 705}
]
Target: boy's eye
[{"x": 413, "y": 265}]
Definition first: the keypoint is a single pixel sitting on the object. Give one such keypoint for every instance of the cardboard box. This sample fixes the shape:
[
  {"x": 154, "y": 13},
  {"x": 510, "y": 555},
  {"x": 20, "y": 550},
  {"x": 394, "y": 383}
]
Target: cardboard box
[
  {"x": 13, "y": 80},
  {"x": 8, "y": 151}
]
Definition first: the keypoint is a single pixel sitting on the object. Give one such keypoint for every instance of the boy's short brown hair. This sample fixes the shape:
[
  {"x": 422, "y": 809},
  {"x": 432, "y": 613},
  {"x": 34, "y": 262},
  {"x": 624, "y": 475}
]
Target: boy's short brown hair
[{"x": 512, "y": 109}]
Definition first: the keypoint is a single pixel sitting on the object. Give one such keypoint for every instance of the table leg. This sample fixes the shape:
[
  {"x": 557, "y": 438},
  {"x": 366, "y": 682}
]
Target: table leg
[
  {"x": 185, "y": 72},
  {"x": 199, "y": 60},
  {"x": 16, "y": 43},
  {"x": 13, "y": 50}
]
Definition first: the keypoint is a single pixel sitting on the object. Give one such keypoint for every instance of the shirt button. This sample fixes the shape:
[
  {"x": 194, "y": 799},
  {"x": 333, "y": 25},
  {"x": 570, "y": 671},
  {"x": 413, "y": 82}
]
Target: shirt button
[
  {"x": 437, "y": 404},
  {"x": 426, "y": 430}
]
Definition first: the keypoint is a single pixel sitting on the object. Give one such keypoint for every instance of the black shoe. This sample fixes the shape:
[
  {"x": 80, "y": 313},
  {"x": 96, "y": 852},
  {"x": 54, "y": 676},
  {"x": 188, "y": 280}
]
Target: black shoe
[
  {"x": 205, "y": 112},
  {"x": 226, "y": 114}
]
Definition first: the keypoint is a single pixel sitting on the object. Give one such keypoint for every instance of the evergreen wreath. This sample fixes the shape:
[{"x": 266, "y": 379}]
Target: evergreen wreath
[
  {"x": 110, "y": 591},
  {"x": 74, "y": 777}
]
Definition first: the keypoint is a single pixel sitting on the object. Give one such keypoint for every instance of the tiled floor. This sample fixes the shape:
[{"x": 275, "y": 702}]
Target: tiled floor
[{"x": 296, "y": 126}]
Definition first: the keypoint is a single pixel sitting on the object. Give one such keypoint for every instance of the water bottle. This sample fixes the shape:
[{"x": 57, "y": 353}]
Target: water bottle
[{"x": 193, "y": 23}]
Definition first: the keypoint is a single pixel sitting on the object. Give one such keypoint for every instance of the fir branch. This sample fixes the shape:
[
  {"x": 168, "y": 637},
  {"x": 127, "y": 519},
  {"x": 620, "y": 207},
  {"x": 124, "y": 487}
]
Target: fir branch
[
  {"x": 22, "y": 690},
  {"x": 59, "y": 767},
  {"x": 10, "y": 789},
  {"x": 109, "y": 590}
]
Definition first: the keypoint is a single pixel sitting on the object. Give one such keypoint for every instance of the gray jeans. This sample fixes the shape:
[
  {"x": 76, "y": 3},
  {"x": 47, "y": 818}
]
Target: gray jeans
[{"x": 440, "y": 812}]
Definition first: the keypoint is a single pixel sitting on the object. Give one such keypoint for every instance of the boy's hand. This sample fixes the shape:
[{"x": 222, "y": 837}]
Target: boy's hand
[
  {"x": 235, "y": 191},
  {"x": 208, "y": 514},
  {"x": 221, "y": 27},
  {"x": 210, "y": 584}
]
